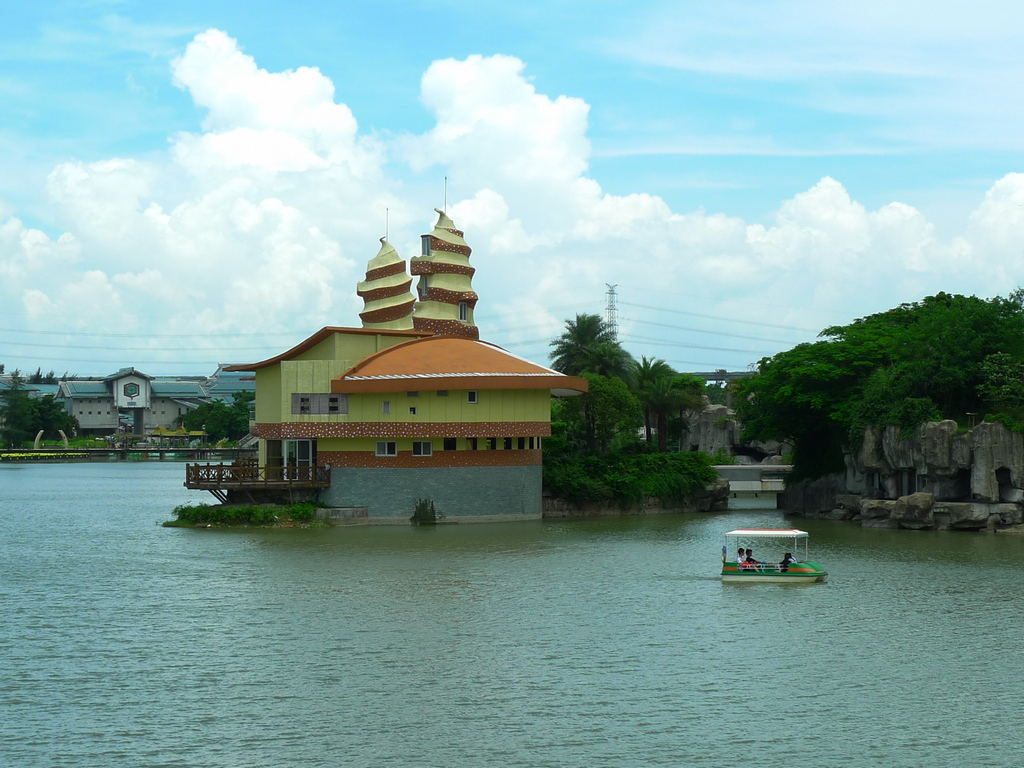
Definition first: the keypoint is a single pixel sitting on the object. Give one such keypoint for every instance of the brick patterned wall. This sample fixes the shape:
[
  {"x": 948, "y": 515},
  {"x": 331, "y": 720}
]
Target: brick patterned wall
[
  {"x": 441, "y": 245},
  {"x": 373, "y": 294},
  {"x": 385, "y": 271},
  {"x": 439, "y": 268},
  {"x": 406, "y": 460},
  {"x": 388, "y": 314},
  {"x": 445, "y": 296},
  {"x": 306, "y": 430},
  {"x": 446, "y": 327}
]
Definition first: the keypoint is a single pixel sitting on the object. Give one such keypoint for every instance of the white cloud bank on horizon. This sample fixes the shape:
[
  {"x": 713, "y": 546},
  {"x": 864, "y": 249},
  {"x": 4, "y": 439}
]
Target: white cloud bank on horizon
[{"x": 263, "y": 220}]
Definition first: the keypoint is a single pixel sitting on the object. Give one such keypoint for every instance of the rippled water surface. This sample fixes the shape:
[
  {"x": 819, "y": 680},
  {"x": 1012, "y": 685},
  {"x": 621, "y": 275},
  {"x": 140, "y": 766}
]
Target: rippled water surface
[{"x": 598, "y": 643}]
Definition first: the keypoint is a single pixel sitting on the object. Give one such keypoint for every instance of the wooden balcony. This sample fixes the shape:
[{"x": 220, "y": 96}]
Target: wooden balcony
[{"x": 218, "y": 479}]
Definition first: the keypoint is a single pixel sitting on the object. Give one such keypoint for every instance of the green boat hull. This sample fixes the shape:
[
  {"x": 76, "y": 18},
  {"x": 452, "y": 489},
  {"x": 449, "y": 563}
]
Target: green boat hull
[{"x": 797, "y": 573}]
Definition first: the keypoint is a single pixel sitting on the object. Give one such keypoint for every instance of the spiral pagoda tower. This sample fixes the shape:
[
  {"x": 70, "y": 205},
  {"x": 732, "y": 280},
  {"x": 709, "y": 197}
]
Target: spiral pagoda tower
[
  {"x": 387, "y": 300},
  {"x": 446, "y": 298}
]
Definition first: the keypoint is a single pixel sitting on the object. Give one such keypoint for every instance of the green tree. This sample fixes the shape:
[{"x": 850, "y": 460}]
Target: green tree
[
  {"x": 643, "y": 378},
  {"x": 1002, "y": 381},
  {"x": 17, "y": 412},
  {"x": 51, "y": 417},
  {"x": 220, "y": 420},
  {"x": 608, "y": 411},
  {"x": 915, "y": 362},
  {"x": 588, "y": 344}
]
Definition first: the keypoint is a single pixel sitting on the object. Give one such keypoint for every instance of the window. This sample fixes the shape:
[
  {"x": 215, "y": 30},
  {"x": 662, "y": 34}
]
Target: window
[
  {"x": 464, "y": 311},
  {"x": 442, "y": 393},
  {"x": 492, "y": 443},
  {"x": 385, "y": 407},
  {"x": 412, "y": 410},
  {"x": 422, "y": 448},
  {"x": 522, "y": 443},
  {"x": 425, "y": 244},
  {"x": 307, "y": 404},
  {"x": 508, "y": 444},
  {"x": 531, "y": 443},
  {"x": 387, "y": 448},
  {"x": 472, "y": 444},
  {"x": 471, "y": 396},
  {"x": 412, "y": 394},
  {"x": 450, "y": 444}
]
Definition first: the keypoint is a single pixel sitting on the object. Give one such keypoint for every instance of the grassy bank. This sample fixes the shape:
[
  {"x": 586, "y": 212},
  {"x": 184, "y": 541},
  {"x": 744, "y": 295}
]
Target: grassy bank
[{"x": 285, "y": 515}]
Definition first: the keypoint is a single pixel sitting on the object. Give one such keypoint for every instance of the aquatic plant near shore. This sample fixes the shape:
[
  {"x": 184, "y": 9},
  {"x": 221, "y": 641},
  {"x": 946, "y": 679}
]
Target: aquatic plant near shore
[{"x": 187, "y": 515}]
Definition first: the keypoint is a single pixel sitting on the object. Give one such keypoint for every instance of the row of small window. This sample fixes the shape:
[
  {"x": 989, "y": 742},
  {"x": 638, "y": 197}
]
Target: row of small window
[
  {"x": 426, "y": 447},
  {"x": 319, "y": 404},
  {"x": 303, "y": 403}
]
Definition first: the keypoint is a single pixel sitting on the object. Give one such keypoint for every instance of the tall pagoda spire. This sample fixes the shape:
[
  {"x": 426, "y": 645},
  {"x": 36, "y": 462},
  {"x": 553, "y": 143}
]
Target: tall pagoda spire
[
  {"x": 387, "y": 300},
  {"x": 446, "y": 298}
]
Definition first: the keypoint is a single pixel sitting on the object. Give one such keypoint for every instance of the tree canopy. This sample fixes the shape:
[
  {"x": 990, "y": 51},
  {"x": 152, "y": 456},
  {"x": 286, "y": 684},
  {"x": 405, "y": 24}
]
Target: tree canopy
[
  {"x": 21, "y": 416},
  {"x": 220, "y": 420},
  {"x": 936, "y": 358}
]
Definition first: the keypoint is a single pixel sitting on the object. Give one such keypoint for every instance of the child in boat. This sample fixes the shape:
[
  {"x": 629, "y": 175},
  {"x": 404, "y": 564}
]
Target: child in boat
[{"x": 740, "y": 558}]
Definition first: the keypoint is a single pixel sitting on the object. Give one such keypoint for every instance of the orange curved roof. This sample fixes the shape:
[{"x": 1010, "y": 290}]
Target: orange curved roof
[{"x": 450, "y": 362}]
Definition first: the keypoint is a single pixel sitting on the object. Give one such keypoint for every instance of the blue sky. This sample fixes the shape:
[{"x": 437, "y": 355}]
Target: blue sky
[{"x": 747, "y": 173}]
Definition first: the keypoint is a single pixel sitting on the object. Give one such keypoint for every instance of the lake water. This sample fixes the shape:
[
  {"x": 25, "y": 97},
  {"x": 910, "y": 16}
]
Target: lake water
[{"x": 580, "y": 643}]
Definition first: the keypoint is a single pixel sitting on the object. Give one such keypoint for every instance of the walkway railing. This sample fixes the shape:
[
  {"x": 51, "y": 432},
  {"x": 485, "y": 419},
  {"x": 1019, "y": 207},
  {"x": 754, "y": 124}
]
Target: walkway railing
[{"x": 209, "y": 477}]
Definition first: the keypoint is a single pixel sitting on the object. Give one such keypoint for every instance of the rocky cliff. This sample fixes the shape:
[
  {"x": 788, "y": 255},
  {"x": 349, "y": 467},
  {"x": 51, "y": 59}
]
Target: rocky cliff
[{"x": 937, "y": 478}]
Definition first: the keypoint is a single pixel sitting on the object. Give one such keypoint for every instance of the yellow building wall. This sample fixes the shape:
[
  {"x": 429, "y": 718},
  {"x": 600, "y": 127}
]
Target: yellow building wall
[
  {"x": 268, "y": 395},
  {"x": 313, "y": 370},
  {"x": 492, "y": 405}
]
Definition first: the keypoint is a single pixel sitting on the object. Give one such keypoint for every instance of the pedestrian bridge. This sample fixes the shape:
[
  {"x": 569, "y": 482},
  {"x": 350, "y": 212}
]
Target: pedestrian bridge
[{"x": 754, "y": 486}]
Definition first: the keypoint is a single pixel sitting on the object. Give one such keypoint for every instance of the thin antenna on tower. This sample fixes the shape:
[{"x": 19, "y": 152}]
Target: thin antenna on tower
[
  {"x": 446, "y": 195},
  {"x": 611, "y": 312},
  {"x": 387, "y": 223}
]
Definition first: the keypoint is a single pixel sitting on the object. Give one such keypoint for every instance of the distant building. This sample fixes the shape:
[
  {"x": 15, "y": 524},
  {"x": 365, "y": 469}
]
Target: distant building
[{"x": 137, "y": 403}]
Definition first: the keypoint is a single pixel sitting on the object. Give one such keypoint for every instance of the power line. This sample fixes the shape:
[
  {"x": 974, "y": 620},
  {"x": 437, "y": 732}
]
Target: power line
[
  {"x": 723, "y": 319},
  {"x": 663, "y": 343},
  {"x": 746, "y": 302},
  {"x": 151, "y": 335},
  {"x": 128, "y": 349},
  {"x": 702, "y": 330}
]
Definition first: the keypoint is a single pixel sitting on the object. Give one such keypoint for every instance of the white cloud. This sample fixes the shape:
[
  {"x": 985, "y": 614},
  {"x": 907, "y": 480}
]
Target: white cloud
[{"x": 263, "y": 220}]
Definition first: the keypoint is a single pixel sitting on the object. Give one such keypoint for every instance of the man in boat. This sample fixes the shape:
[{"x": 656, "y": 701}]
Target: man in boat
[{"x": 750, "y": 563}]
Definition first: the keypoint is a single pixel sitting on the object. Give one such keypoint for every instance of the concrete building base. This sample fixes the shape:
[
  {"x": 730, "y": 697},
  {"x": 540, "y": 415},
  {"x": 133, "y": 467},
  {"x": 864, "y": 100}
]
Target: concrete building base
[{"x": 460, "y": 494}]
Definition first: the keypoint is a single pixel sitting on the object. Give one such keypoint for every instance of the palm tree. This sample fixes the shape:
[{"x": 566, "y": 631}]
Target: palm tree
[
  {"x": 642, "y": 380},
  {"x": 673, "y": 394},
  {"x": 588, "y": 344}
]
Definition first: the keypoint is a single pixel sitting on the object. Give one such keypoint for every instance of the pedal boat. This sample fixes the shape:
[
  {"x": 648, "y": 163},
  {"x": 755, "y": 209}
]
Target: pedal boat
[{"x": 773, "y": 540}]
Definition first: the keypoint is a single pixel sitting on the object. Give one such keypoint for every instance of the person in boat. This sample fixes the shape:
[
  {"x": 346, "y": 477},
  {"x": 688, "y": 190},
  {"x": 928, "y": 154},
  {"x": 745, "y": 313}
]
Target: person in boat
[
  {"x": 786, "y": 561},
  {"x": 741, "y": 557},
  {"x": 751, "y": 563}
]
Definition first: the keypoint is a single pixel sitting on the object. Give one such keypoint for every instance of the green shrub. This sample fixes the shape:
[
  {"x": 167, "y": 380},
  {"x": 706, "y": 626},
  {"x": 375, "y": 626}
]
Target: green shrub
[
  {"x": 424, "y": 513},
  {"x": 204, "y": 514},
  {"x": 628, "y": 478}
]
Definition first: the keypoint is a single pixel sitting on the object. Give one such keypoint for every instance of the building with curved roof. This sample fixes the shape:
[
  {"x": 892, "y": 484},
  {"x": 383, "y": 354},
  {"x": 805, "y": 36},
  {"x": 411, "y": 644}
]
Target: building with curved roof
[{"x": 400, "y": 414}]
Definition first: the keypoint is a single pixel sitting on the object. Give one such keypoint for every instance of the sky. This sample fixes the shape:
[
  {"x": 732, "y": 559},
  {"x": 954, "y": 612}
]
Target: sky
[{"x": 188, "y": 184}]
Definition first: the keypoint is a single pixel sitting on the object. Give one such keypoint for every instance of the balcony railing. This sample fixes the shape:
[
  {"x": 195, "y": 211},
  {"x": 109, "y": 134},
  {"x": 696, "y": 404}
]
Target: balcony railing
[{"x": 212, "y": 477}]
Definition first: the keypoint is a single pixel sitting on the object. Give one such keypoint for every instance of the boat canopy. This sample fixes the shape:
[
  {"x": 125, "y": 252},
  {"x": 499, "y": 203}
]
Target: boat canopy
[{"x": 776, "y": 533}]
